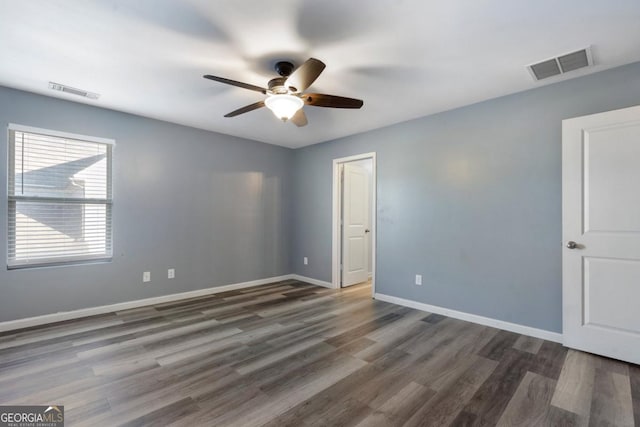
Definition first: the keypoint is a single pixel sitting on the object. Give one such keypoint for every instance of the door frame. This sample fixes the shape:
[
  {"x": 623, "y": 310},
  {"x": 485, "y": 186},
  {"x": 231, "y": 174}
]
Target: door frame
[{"x": 335, "y": 223}]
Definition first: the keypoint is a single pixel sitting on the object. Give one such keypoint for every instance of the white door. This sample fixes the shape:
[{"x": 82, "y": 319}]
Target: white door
[
  {"x": 601, "y": 232},
  {"x": 355, "y": 219}
]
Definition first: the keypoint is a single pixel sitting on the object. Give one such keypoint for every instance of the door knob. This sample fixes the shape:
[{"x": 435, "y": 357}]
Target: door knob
[
  {"x": 571, "y": 244},
  {"x": 367, "y": 230}
]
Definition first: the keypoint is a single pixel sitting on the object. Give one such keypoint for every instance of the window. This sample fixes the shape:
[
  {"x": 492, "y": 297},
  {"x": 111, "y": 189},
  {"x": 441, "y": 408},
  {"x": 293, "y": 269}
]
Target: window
[{"x": 59, "y": 197}]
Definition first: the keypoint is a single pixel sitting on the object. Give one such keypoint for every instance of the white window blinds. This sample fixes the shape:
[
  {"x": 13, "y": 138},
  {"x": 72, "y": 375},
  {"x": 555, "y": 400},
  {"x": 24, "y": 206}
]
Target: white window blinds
[{"x": 59, "y": 197}]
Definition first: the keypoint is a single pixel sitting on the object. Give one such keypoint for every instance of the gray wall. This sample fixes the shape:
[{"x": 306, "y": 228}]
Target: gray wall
[
  {"x": 470, "y": 199},
  {"x": 214, "y": 207}
]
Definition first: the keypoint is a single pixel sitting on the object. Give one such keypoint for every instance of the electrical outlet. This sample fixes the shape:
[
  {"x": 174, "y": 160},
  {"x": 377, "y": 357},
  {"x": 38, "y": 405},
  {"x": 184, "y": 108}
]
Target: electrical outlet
[
  {"x": 146, "y": 276},
  {"x": 171, "y": 273},
  {"x": 305, "y": 260},
  {"x": 419, "y": 279}
]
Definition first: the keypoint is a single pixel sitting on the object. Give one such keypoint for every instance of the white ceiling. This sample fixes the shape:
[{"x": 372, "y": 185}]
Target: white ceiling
[{"x": 404, "y": 58}]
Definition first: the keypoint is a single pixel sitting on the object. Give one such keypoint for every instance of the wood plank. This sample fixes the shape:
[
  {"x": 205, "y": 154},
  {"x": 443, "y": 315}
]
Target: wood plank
[
  {"x": 164, "y": 415},
  {"x": 399, "y": 408},
  {"x": 499, "y": 345},
  {"x": 313, "y": 409},
  {"x": 434, "y": 318},
  {"x": 530, "y": 403},
  {"x": 396, "y": 373},
  {"x": 75, "y": 414},
  {"x": 445, "y": 406},
  {"x": 361, "y": 330},
  {"x": 465, "y": 419},
  {"x": 289, "y": 390},
  {"x": 549, "y": 360},
  {"x": 344, "y": 412},
  {"x": 560, "y": 418},
  {"x": 277, "y": 354},
  {"x": 492, "y": 397},
  {"x": 611, "y": 403},
  {"x": 575, "y": 384},
  {"x": 528, "y": 344}
]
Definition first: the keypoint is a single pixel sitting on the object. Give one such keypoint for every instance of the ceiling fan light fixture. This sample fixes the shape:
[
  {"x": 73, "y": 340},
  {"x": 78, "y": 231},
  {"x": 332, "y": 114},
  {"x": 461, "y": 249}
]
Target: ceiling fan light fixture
[
  {"x": 286, "y": 94},
  {"x": 284, "y": 106}
]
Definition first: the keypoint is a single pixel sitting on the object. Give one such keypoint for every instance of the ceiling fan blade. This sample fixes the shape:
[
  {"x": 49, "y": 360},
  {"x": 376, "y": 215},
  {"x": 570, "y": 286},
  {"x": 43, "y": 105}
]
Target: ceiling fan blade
[
  {"x": 322, "y": 100},
  {"x": 299, "y": 118},
  {"x": 235, "y": 83},
  {"x": 245, "y": 109},
  {"x": 304, "y": 75}
]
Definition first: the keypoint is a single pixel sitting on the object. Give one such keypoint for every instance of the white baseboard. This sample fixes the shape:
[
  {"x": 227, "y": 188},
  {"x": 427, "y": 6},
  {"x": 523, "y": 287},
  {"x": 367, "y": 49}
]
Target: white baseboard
[
  {"x": 312, "y": 281},
  {"x": 487, "y": 321},
  {"x": 92, "y": 311}
]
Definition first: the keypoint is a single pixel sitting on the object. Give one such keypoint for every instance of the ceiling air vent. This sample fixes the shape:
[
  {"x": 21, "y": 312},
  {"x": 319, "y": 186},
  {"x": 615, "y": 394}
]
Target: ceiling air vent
[
  {"x": 561, "y": 64},
  {"x": 73, "y": 90}
]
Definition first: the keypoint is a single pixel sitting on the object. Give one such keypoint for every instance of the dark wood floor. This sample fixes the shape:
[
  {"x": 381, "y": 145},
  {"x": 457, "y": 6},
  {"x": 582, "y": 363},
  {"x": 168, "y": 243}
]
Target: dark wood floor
[{"x": 291, "y": 354}]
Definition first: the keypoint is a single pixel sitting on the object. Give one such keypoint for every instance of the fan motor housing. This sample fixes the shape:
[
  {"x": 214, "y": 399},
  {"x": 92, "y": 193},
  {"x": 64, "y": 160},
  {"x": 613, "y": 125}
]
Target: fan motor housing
[
  {"x": 277, "y": 85},
  {"x": 284, "y": 68}
]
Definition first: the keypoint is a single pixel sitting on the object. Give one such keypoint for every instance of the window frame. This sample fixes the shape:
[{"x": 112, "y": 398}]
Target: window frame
[{"x": 108, "y": 202}]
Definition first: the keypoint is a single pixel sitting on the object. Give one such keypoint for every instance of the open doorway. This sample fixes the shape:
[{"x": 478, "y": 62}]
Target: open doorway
[{"x": 354, "y": 220}]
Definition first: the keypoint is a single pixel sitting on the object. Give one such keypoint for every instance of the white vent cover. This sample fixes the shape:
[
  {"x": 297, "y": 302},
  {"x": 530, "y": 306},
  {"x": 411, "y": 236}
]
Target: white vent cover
[
  {"x": 561, "y": 64},
  {"x": 73, "y": 90}
]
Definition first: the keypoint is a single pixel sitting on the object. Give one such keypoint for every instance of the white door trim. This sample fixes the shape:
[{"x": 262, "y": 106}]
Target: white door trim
[{"x": 335, "y": 223}]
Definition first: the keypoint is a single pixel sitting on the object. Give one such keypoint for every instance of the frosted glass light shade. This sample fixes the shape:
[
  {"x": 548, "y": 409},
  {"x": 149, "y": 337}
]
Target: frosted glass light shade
[{"x": 284, "y": 106}]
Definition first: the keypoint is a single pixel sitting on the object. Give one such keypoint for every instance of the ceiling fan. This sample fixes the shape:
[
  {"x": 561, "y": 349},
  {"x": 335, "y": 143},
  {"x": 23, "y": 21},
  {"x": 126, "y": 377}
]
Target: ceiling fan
[{"x": 285, "y": 93}]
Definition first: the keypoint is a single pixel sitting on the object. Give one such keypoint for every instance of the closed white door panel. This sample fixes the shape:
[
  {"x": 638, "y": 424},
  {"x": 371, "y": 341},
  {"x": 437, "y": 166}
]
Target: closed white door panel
[
  {"x": 601, "y": 231},
  {"x": 355, "y": 213},
  {"x": 610, "y": 294},
  {"x": 611, "y": 179}
]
